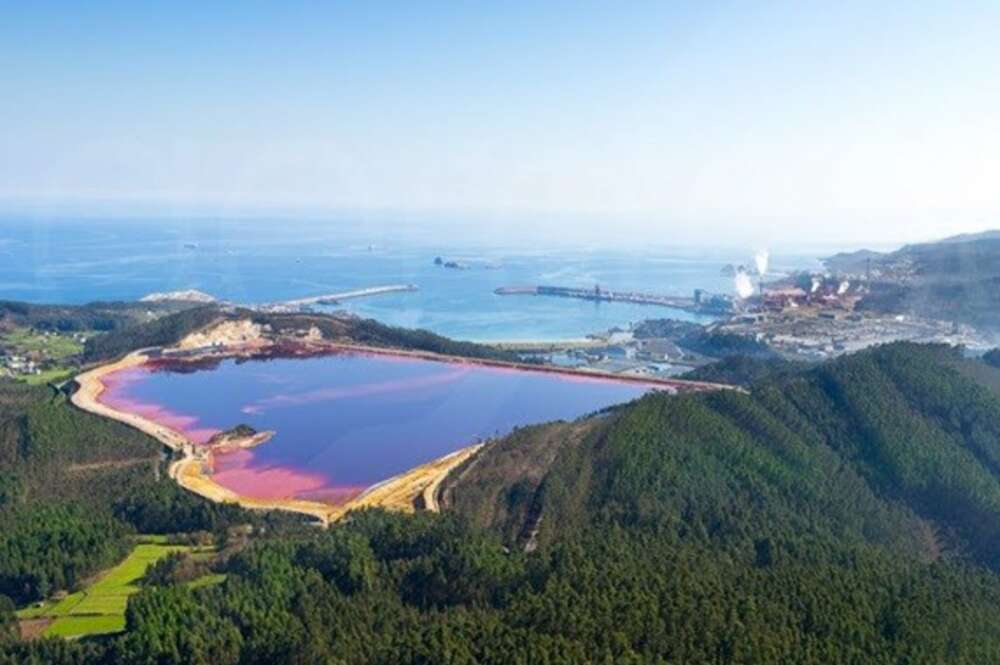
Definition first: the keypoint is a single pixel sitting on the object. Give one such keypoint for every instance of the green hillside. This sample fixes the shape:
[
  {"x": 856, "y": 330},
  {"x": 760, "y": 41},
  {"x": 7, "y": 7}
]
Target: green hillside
[
  {"x": 893, "y": 447},
  {"x": 171, "y": 328},
  {"x": 74, "y": 487},
  {"x": 842, "y": 514},
  {"x": 100, "y": 607}
]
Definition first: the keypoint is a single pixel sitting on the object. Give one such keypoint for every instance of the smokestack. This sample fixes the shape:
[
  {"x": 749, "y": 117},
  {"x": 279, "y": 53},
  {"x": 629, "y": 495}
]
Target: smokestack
[{"x": 761, "y": 260}]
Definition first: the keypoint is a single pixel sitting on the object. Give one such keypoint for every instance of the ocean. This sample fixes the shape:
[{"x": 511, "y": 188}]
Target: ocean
[{"x": 258, "y": 261}]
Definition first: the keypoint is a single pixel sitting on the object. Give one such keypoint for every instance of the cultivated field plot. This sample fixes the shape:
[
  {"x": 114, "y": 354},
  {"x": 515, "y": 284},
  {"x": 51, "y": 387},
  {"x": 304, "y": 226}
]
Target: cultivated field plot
[
  {"x": 100, "y": 608},
  {"x": 51, "y": 345}
]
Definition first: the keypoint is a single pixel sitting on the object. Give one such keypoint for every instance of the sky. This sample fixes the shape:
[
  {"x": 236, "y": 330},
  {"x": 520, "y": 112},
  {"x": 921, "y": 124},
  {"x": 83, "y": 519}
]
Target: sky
[{"x": 701, "y": 121}]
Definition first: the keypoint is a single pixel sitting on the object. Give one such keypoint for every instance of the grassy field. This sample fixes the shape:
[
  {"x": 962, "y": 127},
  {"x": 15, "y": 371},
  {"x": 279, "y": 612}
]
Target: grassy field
[
  {"x": 100, "y": 608},
  {"x": 49, "y": 375},
  {"x": 207, "y": 580},
  {"x": 54, "y": 346}
]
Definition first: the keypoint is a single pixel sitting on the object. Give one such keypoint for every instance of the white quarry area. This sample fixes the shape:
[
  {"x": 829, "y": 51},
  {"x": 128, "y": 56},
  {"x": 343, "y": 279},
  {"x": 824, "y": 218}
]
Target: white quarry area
[
  {"x": 189, "y": 295},
  {"x": 227, "y": 333}
]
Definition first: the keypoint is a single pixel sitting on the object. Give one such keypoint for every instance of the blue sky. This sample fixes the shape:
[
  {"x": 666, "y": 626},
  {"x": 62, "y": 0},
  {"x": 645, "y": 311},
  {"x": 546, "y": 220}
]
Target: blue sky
[{"x": 684, "y": 119}]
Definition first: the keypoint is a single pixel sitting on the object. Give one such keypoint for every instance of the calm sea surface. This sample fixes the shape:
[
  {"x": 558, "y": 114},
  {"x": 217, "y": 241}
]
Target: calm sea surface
[
  {"x": 255, "y": 262},
  {"x": 344, "y": 422}
]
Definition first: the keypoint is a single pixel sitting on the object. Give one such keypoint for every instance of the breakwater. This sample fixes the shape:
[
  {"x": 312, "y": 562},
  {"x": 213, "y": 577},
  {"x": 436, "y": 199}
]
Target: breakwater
[{"x": 603, "y": 295}]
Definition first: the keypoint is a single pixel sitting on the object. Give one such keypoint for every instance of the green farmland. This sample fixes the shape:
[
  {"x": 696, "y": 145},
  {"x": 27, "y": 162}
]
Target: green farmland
[
  {"x": 56, "y": 354},
  {"x": 100, "y": 608},
  {"x": 52, "y": 345},
  {"x": 49, "y": 376}
]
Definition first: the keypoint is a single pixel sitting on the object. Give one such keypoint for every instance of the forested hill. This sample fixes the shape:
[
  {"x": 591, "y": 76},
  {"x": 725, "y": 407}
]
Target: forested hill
[
  {"x": 842, "y": 514},
  {"x": 170, "y": 329},
  {"x": 89, "y": 318},
  {"x": 894, "y": 446},
  {"x": 857, "y": 501},
  {"x": 73, "y": 487}
]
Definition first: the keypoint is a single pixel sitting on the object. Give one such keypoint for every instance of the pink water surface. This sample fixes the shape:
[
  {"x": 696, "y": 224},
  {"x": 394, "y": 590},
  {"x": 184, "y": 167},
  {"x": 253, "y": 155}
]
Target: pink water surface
[{"x": 346, "y": 421}]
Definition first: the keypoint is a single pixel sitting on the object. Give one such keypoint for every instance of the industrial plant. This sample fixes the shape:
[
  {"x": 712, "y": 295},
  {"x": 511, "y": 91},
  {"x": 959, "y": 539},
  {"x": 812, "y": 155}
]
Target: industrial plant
[{"x": 798, "y": 316}]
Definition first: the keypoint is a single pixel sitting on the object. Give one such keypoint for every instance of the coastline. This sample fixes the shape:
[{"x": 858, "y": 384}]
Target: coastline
[{"x": 192, "y": 470}]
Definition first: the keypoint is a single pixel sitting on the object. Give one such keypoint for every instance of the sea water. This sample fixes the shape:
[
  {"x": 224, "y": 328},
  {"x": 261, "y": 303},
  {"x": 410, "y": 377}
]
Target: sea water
[{"x": 259, "y": 261}]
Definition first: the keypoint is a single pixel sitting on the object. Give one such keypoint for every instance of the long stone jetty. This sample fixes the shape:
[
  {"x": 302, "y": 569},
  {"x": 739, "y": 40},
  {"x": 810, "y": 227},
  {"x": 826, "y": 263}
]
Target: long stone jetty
[
  {"x": 335, "y": 298},
  {"x": 598, "y": 294}
]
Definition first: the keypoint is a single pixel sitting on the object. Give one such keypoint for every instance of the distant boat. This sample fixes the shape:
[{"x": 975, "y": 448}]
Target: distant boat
[
  {"x": 455, "y": 265},
  {"x": 190, "y": 245}
]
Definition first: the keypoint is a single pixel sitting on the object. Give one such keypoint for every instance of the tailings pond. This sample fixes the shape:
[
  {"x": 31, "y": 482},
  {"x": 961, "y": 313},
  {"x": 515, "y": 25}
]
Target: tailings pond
[{"x": 346, "y": 421}]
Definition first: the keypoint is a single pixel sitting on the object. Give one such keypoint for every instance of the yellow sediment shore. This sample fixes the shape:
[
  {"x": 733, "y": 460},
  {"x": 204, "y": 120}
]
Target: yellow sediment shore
[
  {"x": 192, "y": 470},
  {"x": 192, "y": 474},
  {"x": 87, "y": 397},
  {"x": 423, "y": 481},
  {"x": 397, "y": 493}
]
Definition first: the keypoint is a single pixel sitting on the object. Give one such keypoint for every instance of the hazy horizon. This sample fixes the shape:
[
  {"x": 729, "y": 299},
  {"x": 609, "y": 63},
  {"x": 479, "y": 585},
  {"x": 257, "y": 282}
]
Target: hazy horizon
[
  {"x": 680, "y": 124},
  {"x": 444, "y": 232}
]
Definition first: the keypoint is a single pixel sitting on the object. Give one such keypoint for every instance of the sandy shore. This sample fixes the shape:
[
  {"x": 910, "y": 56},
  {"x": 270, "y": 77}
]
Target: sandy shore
[
  {"x": 193, "y": 470},
  {"x": 400, "y": 492},
  {"x": 87, "y": 397}
]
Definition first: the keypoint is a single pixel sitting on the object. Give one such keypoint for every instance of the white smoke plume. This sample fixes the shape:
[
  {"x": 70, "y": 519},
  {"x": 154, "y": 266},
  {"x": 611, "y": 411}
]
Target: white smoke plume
[
  {"x": 815, "y": 285},
  {"x": 743, "y": 285},
  {"x": 842, "y": 289},
  {"x": 761, "y": 259}
]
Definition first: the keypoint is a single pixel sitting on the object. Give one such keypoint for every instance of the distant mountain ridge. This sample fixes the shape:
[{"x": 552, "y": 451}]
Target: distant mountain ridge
[
  {"x": 956, "y": 278},
  {"x": 860, "y": 255},
  {"x": 993, "y": 234}
]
